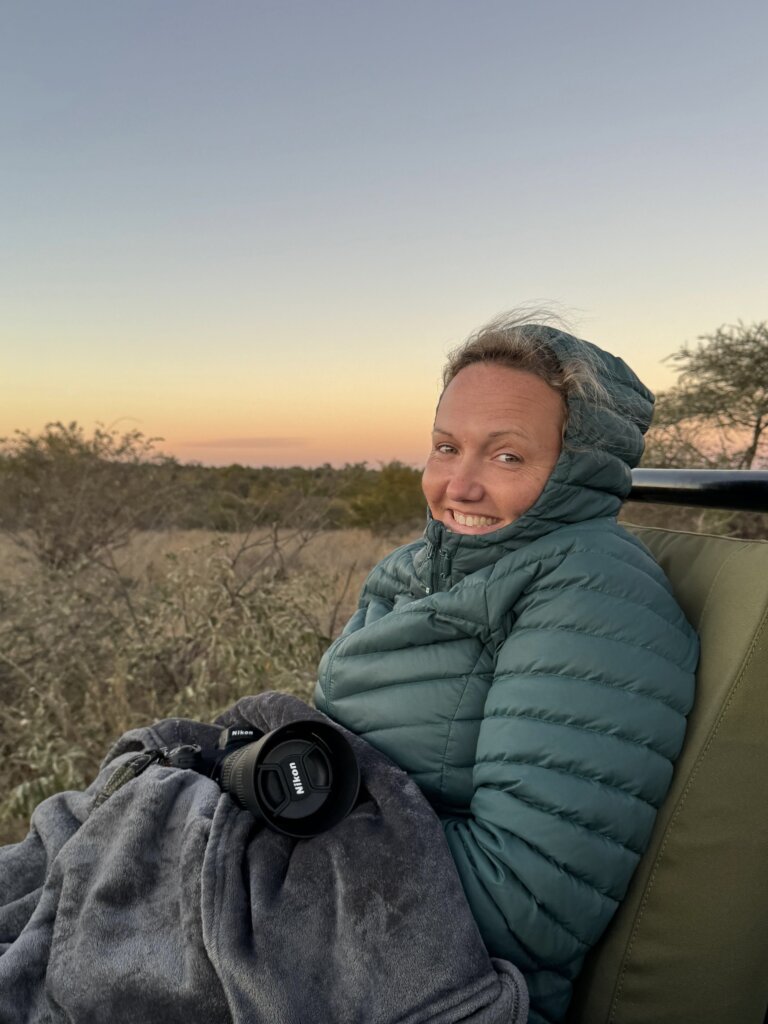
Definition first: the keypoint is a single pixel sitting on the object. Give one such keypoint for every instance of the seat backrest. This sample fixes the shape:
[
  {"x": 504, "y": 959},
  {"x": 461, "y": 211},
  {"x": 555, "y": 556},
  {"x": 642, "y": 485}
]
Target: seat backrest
[{"x": 690, "y": 941}]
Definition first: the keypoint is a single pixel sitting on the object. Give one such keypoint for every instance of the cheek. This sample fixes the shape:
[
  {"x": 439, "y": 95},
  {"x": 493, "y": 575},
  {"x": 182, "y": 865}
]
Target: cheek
[{"x": 430, "y": 484}]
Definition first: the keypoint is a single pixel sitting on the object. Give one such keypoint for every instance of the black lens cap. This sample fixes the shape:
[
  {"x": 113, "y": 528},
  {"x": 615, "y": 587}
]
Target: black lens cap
[
  {"x": 302, "y": 778},
  {"x": 289, "y": 758}
]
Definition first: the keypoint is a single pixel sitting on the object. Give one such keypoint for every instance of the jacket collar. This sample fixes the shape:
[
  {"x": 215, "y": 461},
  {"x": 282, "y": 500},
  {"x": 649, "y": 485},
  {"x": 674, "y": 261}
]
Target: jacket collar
[{"x": 582, "y": 486}]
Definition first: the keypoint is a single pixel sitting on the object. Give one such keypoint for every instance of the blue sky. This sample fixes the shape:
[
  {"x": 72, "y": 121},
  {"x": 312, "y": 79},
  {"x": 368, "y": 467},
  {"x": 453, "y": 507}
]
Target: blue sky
[{"x": 270, "y": 220}]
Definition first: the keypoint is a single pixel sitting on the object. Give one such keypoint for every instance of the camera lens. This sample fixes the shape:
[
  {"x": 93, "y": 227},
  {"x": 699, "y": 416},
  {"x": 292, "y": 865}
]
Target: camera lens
[{"x": 301, "y": 779}]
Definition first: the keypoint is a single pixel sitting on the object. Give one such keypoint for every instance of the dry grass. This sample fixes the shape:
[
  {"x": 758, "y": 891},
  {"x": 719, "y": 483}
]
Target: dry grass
[
  {"x": 15, "y": 565},
  {"x": 335, "y": 552},
  {"x": 178, "y": 623},
  {"x": 337, "y": 560},
  {"x": 175, "y": 624}
]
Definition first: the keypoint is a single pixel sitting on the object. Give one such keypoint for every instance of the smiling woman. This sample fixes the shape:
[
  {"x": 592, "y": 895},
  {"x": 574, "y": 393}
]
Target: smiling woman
[
  {"x": 510, "y": 399},
  {"x": 497, "y": 437},
  {"x": 525, "y": 661}
]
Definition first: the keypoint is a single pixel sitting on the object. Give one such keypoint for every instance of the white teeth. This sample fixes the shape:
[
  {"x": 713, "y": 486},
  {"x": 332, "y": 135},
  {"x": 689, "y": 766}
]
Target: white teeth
[{"x": 463, "y": 520}]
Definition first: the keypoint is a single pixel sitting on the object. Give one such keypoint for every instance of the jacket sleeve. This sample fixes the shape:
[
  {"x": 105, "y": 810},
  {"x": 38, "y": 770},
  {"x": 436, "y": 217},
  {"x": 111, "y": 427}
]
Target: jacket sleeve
[{"x": 583, "y": 720}]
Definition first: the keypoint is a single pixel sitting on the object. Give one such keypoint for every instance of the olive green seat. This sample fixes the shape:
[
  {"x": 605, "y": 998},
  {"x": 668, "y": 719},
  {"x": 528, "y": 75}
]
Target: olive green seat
[{"x": 690, "y": 941}]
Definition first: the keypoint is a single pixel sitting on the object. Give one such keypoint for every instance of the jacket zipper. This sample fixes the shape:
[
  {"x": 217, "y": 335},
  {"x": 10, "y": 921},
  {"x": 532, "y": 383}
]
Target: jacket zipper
[
  {"x": 445, "y": 570},
  {"x": 440, "y": 560},
  {"x": 435, "y": 571}
]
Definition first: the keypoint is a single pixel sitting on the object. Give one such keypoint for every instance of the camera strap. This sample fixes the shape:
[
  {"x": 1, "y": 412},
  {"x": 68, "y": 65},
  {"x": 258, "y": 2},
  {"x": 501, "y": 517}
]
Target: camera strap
[{"x": 128, "y": 770}]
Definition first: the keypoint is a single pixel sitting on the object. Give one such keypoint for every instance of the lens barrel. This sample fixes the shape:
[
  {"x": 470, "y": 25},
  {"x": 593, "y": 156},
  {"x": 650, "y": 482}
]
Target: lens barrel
[{"x": 301, "y": 779}]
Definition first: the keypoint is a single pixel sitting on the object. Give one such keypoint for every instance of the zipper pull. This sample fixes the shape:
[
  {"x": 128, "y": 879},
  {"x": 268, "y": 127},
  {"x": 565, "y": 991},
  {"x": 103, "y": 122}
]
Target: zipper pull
[
  {"x": 429, "y": 566},
  {"x": 445, "y": 565}
]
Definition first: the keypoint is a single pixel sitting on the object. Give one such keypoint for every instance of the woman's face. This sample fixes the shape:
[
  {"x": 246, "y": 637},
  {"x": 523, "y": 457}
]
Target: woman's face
[{"x": 496, "y": 439}]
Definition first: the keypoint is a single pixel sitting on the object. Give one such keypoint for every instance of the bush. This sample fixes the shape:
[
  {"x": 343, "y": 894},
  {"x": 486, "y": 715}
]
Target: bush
[
  {"x": 68, "y": 498},
  {"x": 87, "y": 654},
  {"x": 392, "y": 501}
]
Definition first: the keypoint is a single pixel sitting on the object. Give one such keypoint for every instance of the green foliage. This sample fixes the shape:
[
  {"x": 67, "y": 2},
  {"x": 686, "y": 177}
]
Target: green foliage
[
  {"x": 394, "y": 498},
  {"x": 68, "y": 498},
  {"x": 238, "y": 497},
  {"x": 716, "y": 416}
]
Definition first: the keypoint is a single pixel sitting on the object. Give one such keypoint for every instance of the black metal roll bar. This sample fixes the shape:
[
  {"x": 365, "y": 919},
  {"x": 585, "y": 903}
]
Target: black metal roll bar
[{"x": 733, "y": 489}]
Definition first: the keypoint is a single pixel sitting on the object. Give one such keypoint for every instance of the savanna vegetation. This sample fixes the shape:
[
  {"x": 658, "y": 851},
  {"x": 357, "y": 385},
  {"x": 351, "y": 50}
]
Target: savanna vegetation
[{"x": 134, "y": 588}]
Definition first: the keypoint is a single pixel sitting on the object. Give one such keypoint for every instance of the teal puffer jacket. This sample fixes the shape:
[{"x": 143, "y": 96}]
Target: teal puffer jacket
[{"x": 534, "y": 682}]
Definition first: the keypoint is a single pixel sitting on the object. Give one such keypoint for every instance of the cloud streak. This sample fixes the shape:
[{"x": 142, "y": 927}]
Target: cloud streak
[{"x": 247, "y": 442}]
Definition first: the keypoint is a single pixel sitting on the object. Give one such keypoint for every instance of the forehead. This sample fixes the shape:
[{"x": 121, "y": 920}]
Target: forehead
[{"x": 498, "y": 396}]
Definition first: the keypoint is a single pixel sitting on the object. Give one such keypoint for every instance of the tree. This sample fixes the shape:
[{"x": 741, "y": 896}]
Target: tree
[
  {"x": 68, "y": 498},
  {"x": 716, "y": 416},
  {"x": 392, "y": 502}
]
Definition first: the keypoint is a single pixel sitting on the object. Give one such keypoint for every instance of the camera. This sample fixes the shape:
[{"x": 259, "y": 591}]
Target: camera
[{"x": 300, "y": 779}]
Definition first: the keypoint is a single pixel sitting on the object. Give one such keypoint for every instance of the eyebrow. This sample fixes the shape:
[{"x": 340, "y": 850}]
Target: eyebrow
[{"x": 493, "y": 434}]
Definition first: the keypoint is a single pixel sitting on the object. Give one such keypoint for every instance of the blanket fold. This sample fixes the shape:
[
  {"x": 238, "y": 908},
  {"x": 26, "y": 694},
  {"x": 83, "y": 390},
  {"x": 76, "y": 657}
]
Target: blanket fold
[{"x": 169, "y": 903}]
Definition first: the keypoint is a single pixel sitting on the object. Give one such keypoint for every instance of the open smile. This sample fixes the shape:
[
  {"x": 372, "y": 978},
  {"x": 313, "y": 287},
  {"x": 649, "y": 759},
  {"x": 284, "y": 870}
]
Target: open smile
[{"x": 463, "y": 522}]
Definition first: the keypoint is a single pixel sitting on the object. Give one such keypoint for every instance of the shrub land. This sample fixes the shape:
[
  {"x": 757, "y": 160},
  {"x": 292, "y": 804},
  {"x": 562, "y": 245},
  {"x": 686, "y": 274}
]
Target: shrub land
[
  {"x": 133, "y": 588},
  {"x": 175, "y": 624}
]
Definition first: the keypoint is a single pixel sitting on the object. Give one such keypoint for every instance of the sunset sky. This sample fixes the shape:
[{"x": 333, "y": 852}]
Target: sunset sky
[{"x": 255, "y": 228}]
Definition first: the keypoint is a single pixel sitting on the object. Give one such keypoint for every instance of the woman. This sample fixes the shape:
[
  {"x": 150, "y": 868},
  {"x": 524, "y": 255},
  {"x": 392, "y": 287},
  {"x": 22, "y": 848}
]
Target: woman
[{"x": 525, "y": 662}]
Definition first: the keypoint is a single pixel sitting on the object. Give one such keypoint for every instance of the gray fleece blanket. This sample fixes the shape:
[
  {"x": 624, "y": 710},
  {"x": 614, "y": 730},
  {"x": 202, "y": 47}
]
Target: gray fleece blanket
[{"x": 167, "y": 903}]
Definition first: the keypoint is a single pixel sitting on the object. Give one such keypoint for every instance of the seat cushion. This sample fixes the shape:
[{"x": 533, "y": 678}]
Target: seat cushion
[{"x": 690, "y": 941}]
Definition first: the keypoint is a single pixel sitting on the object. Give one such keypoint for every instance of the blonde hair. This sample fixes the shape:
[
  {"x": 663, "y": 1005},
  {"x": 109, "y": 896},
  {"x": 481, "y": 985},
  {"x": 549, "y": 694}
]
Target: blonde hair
[
  {"x": 606, "y": 407},
  {"x": 522, "y": 340}
]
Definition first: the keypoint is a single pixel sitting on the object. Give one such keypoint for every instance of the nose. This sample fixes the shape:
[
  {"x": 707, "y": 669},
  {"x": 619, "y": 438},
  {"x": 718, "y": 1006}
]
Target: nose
[{"x": 465, "y": 482}]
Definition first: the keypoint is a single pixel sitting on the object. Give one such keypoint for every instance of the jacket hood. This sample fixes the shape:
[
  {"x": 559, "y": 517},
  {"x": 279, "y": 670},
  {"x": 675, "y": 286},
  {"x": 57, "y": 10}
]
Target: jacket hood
[{"x": 592, "y": 477}]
